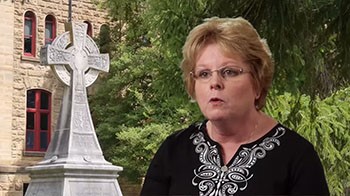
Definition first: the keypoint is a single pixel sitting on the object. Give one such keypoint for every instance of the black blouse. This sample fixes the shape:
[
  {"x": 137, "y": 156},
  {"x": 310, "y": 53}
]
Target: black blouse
[{"x": 279, "y": 163}]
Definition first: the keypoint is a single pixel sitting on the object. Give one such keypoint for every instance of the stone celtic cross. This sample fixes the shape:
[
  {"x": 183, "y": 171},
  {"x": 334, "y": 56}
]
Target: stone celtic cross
[
  {"x": 75, "y": 59},
  {"x": 74, "y": 164}
]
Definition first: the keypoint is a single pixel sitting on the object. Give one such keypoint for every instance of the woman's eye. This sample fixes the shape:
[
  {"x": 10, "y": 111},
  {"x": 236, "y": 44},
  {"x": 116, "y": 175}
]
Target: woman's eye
[
  {"x": 204, "y": 74},
  {"x": 230, "y": 72}
]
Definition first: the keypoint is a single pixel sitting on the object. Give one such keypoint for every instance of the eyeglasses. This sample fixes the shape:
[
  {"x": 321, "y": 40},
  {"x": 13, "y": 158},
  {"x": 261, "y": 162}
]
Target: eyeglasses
[{"x": 225, "y": 72}]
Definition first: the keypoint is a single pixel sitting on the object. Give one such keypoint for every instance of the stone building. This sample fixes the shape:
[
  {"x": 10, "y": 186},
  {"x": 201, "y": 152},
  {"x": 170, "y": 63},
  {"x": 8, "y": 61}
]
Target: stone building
[{"x": 30, "y": 94}]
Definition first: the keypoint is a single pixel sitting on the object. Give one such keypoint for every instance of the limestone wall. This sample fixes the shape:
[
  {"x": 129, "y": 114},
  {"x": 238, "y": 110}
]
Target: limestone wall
[
  {"x": 6, "y": 77},
  {"x": 11, "y": 182}
]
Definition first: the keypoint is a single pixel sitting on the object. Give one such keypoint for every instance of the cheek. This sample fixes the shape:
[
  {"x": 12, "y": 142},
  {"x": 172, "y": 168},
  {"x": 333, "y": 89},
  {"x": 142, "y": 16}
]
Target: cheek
[
  {"x": 200, "y": 93},
  {"x": 249, "y": 93},
  {"x": 196, "y": 91},
  {"x": 243, "y": 91}
]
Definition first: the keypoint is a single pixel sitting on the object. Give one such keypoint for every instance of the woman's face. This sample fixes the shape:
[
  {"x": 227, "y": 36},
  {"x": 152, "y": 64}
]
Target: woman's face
[{"x": 230, "y": 98}]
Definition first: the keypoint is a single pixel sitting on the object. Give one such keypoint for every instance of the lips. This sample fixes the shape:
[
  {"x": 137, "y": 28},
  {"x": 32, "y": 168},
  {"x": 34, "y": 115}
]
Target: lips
[{"x": 215, "y": 100}]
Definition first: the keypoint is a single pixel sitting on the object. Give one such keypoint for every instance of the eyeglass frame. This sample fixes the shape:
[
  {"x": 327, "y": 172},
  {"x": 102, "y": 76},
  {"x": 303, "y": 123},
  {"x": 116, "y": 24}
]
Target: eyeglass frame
[{"x": 220, "y": 72}]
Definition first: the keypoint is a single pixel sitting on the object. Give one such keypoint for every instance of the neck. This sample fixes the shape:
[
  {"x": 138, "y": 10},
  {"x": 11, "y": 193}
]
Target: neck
[{"x": 238, "y": 131}]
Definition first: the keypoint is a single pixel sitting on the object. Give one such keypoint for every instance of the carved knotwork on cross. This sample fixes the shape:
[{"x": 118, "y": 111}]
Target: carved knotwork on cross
[{"x": 79, "y": 52}]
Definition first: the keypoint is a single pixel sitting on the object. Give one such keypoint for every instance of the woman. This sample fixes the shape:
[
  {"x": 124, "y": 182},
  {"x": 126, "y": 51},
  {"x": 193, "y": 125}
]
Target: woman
[{"x": 237, "y": 150}]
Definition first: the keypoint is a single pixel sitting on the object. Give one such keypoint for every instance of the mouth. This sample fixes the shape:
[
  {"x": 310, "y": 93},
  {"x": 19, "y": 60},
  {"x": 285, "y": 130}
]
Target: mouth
[{"x": 215, "y": 100}]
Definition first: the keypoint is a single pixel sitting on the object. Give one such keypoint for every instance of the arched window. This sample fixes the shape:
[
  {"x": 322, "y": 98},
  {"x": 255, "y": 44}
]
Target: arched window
[
  {"x": 50, "y": 29},
  {"x": 29, "y": 33},
  {"x": 38, "y": 120},
  {"x": 89, "y": 28},
  {"x": 105, "y": 39}
]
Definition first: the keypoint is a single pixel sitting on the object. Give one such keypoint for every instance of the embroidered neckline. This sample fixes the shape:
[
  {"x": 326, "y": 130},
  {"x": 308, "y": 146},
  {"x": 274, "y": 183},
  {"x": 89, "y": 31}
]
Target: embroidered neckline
[{"x": 212, "y": 178}]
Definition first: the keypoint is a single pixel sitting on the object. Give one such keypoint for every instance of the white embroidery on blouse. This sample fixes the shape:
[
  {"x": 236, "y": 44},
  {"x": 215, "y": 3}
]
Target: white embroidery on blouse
[{"x": 213, "y": 179}]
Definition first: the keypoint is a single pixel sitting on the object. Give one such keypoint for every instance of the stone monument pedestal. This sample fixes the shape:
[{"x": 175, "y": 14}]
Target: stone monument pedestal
[{"x": 73, "y": 179}]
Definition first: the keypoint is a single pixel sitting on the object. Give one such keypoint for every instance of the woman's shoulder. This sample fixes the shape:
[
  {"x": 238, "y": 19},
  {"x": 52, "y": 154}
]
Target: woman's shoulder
[
  {"x": 304, "y": 164},
  {"x": 183, "y": 136},
  {"x": 178, "y": 140},
  {"x": 291, "y": 138},
  {"x": 186, "y": 132}
]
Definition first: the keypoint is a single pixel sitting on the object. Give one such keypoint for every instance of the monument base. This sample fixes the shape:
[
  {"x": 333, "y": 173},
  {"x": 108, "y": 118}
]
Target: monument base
[{"x": 74, "y": 180}]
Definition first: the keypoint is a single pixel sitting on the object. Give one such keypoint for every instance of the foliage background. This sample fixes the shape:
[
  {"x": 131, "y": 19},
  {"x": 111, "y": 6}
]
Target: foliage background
[{"x": 142, "y": 99}]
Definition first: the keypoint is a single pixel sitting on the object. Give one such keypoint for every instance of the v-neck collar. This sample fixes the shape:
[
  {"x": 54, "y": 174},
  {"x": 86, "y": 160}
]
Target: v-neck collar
[{"x": 202, "y": 127}]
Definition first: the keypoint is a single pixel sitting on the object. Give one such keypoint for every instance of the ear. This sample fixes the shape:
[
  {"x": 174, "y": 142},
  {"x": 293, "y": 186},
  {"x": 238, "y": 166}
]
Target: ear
[
  {"x": 257, "y": 96},
  {"x": 256, "y": 88},
  {"x": 257, "y": 92}
]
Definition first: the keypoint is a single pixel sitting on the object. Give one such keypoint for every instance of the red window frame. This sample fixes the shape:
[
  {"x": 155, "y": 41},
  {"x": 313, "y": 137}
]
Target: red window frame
[
  {"x": 30, "y": 18},
  {"x": 38, "y": 139},
  {"x": 50, "y": 20},
  {"x": 89, "y": 28}
]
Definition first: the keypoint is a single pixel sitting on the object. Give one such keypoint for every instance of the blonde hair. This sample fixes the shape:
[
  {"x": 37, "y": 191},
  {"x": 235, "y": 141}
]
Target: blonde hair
[{"x": 234, "y": 36}]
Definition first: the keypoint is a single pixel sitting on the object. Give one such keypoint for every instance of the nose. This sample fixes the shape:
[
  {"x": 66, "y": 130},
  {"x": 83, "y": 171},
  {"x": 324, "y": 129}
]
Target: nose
[{"x": 216, "y": 82}]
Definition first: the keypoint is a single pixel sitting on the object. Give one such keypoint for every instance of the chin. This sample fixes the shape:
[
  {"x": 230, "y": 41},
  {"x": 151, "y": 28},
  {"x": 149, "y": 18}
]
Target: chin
[
  {"x": 217, "y": 117},
  {"x": 222, "y": 116}
]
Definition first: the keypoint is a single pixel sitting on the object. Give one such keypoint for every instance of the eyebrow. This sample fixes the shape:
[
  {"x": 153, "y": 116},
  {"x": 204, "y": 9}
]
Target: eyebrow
[{"x": 228, "y": 64}]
